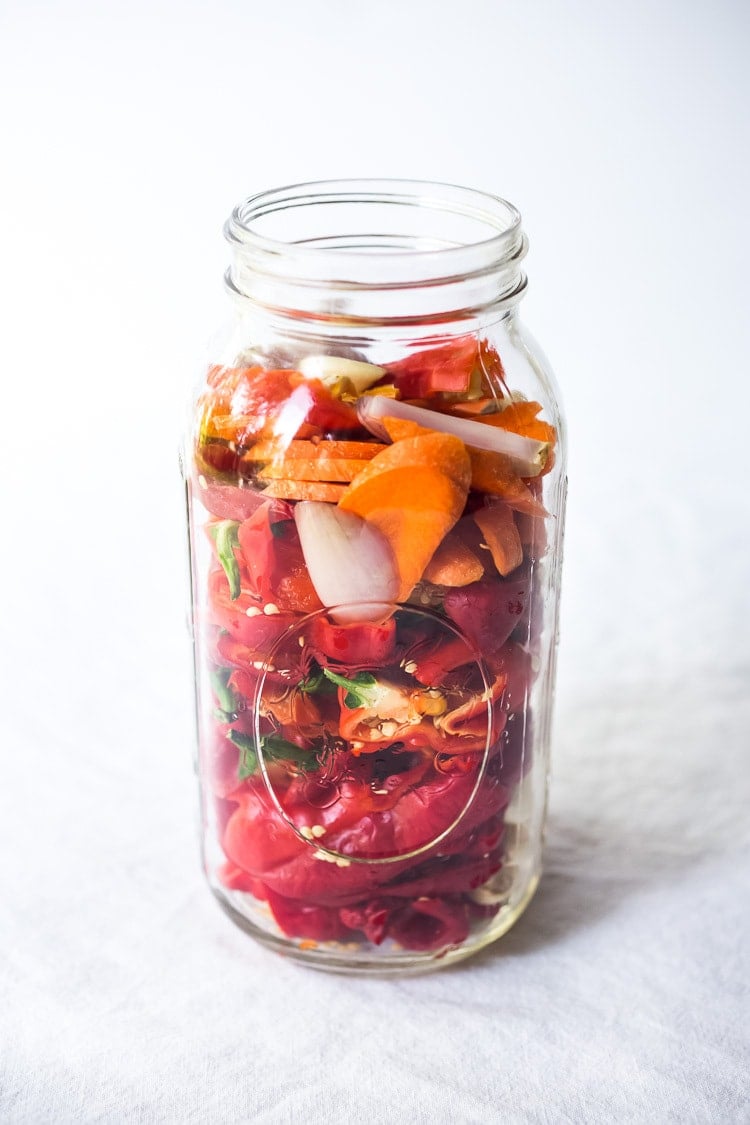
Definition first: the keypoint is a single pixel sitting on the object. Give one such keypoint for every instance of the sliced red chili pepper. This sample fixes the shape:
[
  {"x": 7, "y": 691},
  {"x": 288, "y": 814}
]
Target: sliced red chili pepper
[
  {"x": 432, "y": 667},
  {"x": 372, "y": 918},
  {"x": 272, "y": 554},
  {"x": 430, "y": 924},
  {"x": 259, "y": 636},
  {"x": 352, "y": 645}
]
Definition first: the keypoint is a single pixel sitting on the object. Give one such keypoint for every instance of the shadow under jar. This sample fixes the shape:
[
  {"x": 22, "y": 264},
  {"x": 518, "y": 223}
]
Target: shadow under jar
[{"x": 375, "y": 485}]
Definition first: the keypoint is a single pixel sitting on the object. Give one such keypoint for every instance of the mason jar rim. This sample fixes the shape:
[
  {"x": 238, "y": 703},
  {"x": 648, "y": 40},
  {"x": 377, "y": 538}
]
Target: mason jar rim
[{"x": 504, "y": 243}]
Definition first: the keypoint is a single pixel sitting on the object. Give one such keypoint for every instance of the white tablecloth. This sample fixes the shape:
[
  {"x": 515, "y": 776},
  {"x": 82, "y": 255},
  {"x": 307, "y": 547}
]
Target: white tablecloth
[{"x": 622, "y": 995}]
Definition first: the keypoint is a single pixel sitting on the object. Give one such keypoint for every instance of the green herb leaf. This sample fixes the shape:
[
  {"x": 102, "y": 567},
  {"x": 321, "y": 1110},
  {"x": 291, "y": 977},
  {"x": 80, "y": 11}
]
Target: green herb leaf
[
  {"x": 226, "y": 698},
  {"x": 315, "y": 681},
  {"x": 224, "y": 716},
  {"x": 312, "y": 683},
  {"x": 248, "y": 764},
  {"x": 276, "y": 749},
  {"x": 279, "y": 750},
  {"x": 224, "y": 535},
  {"x": 359, "y": 691}
]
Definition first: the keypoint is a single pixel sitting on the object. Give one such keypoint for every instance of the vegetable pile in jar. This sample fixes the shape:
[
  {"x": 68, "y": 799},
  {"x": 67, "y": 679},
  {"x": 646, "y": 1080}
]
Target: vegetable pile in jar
[{"x": 364, "y": 540}]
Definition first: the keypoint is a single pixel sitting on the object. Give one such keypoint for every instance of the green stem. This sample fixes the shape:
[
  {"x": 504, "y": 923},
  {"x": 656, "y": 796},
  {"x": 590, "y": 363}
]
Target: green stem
[{"x": 224, "y": 535}]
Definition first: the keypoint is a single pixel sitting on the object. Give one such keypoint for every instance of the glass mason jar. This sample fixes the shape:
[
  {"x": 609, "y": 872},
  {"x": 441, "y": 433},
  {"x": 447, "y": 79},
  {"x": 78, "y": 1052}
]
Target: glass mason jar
[{"x": 375, "y": 483}]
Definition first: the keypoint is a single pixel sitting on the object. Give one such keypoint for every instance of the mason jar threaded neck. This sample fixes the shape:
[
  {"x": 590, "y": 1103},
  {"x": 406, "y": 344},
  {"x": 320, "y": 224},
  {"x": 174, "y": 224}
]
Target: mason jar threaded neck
[{"x": 376, "y": 252}]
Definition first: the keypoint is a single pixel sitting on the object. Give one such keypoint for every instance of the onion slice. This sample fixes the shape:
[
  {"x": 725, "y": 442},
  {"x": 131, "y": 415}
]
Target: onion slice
[
  {"x": 350, "y": 561},
  {"x": 330, "y": 368},
  {"x": 528, "y": 456}
]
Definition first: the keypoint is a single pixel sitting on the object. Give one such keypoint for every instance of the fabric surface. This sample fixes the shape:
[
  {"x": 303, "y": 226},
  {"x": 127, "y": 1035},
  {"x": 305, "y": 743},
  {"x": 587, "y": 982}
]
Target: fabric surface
[
  {"x": 126, "y": 996},
  {"x": 621, "y": 994}
]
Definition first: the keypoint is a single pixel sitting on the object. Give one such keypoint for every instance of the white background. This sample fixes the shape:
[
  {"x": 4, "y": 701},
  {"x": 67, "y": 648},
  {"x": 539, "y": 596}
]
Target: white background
[{"x": 621, "y": 132}]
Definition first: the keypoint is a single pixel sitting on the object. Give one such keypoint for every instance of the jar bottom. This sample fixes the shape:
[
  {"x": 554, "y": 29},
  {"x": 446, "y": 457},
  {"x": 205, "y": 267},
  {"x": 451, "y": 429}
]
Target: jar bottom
[{"x": 344, "y": 960}]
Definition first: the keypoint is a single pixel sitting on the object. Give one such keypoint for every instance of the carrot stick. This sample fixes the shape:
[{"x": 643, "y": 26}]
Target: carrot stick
[
  {"x": 494, "y": 473},
  {"x": 305, "y": 490},
  {"x": 501, "y": 536},
  {"x": 453, "y": 564}
]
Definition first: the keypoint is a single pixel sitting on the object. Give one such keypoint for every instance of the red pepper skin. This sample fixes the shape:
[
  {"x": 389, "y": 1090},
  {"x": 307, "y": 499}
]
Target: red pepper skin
[
  {"x": 314, "y": 405},
  {"x": 245, "y": 402},
  {"x": 426, "y": 924},
  {"x": 227, "y": 501},
  {"x": 272, "y": 556},
  {"x": 219, "y": 764},
  {"x": 514, "y": 663},
  {"x": 235, "y": 879},
  {"x": 432, "y": 666},
  {"x": 307, "y": 920},
  {"x": 257, "y": 545},
  {"x": 446, "y": 368},
  {"x": 230, "y": 613},
  {"x": 250, "y": 639},
  {"x": 360, "y": 823},
  {"x": 372, "y": 919},
  {"x": 454, "y": 875},
  {"x": 431, "y": 923},
  {"x": 488, "y": 611},
  {"x": 360, "y": 644}
]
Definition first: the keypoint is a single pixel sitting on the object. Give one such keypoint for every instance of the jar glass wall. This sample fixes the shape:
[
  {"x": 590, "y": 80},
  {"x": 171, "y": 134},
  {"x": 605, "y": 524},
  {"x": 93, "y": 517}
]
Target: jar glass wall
[{"x": 375, "y": 482}]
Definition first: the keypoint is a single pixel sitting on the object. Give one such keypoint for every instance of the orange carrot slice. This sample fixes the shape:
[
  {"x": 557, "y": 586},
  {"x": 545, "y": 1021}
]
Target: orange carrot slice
[
  {"x": 305, "y": 490},
  {"x": 414, "y": 492},
  {"x": 521, "y": 418},
  {"x": 490, "y": 472},
  {"x": 478, "y": 408},
  {"x": 400, "y": 428},
  {"x": 309, "y": 450},
  {"x": 494, "y": 473},
  {"x": 327, "y": 468},
  {"x": 501, "y": 536},
  {"x": 453, "y": 564}
]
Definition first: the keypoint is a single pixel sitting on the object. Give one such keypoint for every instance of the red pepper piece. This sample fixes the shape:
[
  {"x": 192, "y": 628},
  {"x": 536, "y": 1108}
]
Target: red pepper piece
[
  {"x": 228, "y": 502},
  {"x": 430, "y": 924},
  {"x": 272, "y": 554},
  {"x": 235, "y": 879},
  {"x": 361, "y": 643},
  {"x": 372, "y": 919},
  {"x": 446, "y": 368},
  {"x": 306, "y": 920},
  {"x": 488, "y": 611},
  {"x": 259, "y": 635},
  {"x": 432, "y": 668}
]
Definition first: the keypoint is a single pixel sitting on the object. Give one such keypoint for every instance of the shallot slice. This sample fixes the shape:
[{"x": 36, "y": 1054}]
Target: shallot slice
[
  {"x": 350, "y": 561},
  {"x": 527, "y": 456}
]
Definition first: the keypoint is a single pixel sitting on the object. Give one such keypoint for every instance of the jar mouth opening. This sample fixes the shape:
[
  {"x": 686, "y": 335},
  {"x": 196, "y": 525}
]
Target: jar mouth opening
[{"x": 376, "y": 233}]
